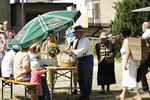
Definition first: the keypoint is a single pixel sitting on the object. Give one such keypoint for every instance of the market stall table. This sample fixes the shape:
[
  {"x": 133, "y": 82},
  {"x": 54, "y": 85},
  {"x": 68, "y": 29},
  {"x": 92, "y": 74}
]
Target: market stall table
[{"x": 55, "y": 70}]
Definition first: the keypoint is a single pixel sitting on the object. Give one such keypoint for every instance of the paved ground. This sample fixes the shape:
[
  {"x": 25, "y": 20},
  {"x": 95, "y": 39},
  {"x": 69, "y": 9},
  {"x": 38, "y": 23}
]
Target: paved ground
[{"x": 61, "y": 88}]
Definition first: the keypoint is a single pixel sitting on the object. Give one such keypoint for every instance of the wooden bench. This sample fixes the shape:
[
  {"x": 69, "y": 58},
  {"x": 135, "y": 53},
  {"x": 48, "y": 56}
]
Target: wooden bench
[{"x": 28, "y": 86}]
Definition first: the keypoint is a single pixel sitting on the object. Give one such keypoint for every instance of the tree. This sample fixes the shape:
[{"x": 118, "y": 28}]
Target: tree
[{"x": 125, "y": 17}]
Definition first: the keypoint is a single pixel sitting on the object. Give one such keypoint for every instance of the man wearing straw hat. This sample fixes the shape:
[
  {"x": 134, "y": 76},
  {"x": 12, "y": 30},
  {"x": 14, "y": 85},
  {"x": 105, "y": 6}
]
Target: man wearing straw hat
[{"x": 82, "y": 49}]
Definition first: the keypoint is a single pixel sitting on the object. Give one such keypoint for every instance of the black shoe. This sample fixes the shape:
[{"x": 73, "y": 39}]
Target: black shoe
[
  {"x": 107, "y": 90},
  {"x": 75, "y": 91},
  {"x": 102, "y": 91},
  {"x": 144, "y": 92}
]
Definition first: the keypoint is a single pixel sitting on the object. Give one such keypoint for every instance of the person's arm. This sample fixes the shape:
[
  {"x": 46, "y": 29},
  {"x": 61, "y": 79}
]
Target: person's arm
[
  {"x": 97, "y": 48},
  {"x": 4, "y": 44},
  {"x": 72, "y": 40},
  {"x": 83, "y": 48},
  {"x": 67, "y": 35},
  {"x": 33, "y": 46},
  {"x": 43, "y": 48},
  {"x": 113, "y": 51},
  {"x": 26, "y": 63},
  {"x": 128, "y": 53},
  {"x": 69, "y": 46},
  {"x": 41, "y": 72}
]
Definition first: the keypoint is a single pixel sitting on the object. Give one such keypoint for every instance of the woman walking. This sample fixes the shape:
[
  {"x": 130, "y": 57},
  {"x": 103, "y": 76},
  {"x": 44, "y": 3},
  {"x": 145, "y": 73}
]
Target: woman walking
[{"x": 129, "y": 73}]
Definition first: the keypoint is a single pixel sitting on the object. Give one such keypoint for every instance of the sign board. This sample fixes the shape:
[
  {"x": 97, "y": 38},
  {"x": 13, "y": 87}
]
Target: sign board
[{"x": 83, "y": 21}]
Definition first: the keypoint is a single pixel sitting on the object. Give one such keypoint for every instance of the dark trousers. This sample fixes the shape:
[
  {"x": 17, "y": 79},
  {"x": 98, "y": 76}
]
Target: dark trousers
[
  {"x": 103, "y": 87},
  {"x": 45, "y": 89},
  {"x": 145, "y": 86},
  {"x": 85, "y": 74}
]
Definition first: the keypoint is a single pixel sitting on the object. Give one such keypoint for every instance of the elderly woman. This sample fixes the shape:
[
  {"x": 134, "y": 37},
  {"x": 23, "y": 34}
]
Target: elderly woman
[
  {"x": 105, "y": 55},
  {"x": 129, "y": 74}
]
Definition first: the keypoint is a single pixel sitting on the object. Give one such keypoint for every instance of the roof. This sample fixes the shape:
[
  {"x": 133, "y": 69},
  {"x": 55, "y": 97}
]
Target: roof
[
  {"x": 44, "y": 3},
  {"x": 141, "y": 9}
]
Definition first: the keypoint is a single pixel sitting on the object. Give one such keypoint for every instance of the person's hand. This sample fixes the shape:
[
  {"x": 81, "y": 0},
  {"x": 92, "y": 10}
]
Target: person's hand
[
  {"x": 1, "y": 51},
  {"x": 111, "y": 54},
  {"x": 66, "y": 50},
  {"x": 125, "y": 67},
  {"x": 47, "y": 69},
  {"x": 38, "y": 43},
  {"x": 70, "y": 53}
]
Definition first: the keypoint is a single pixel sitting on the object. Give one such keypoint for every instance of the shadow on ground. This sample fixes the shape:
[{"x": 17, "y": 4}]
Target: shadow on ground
[
  {"x": 62, "y": 94},
  {"x": 96, "y": 95}
]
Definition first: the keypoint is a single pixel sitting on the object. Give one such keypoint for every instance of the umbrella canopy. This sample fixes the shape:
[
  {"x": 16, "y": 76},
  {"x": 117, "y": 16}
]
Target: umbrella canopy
[
  {"x": 42, "y": 26},
  {"x": 141, "y": 9}
]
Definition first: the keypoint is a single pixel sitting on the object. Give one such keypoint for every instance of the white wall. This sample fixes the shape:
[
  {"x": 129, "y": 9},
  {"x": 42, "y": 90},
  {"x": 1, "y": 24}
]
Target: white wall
[{"x": 107, "y": 11}]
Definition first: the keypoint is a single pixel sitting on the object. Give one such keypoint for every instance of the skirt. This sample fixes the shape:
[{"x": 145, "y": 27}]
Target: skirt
[{"x": 106, "y": 73}]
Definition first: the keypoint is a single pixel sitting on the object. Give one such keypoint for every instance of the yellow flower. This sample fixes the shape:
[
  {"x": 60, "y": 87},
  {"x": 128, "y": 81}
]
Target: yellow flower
[{"x": 52, "y": 44}]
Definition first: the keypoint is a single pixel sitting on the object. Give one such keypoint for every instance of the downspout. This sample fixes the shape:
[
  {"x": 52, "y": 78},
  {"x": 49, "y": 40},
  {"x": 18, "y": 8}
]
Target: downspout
[
  {"x": 22, "y": 12},
  {"x": 9, "y": 13}
]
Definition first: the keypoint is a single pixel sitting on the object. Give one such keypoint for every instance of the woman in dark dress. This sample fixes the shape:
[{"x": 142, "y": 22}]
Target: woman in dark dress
[{"x": 105, "y": 55}]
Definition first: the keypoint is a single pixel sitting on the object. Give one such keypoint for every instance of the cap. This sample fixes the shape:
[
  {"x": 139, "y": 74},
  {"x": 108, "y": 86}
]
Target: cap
[{"x": 35, "y": 65}]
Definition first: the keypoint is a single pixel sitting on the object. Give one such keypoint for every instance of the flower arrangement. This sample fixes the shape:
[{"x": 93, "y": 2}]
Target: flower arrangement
[{"x": 53, "y": 50}]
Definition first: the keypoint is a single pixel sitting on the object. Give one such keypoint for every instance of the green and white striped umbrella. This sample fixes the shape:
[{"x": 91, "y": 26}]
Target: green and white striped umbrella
[{"x": 43, "y": 26}]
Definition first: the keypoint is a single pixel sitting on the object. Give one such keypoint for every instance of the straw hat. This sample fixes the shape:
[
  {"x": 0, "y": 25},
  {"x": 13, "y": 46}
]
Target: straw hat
[
  {"x": 103, "y": 35},
  {"x": 35, "y": 65},
  {"x": 1, "y": 28}
]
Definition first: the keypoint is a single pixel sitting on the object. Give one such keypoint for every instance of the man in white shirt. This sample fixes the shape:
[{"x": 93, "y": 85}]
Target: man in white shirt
[
  {"x": 82, "y": 49},
  {"x": 146, "y": 30},
  {"x": 7, "y": 63}
]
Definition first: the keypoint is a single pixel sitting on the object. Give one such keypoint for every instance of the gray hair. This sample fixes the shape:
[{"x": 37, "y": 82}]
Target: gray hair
[{"x": 146, "y": 25}]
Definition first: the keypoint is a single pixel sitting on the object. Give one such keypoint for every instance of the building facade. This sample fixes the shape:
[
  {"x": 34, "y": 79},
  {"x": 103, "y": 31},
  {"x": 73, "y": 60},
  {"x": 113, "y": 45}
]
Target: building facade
[
  {"x": 97, "y": 11},
  {"x": 4, "y": 10}
]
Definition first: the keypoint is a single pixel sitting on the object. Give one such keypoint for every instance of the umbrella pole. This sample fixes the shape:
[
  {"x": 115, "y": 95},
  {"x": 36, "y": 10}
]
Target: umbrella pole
[
  {"x": 47, "y": 48},
  {"x": 22, "y": 13}
]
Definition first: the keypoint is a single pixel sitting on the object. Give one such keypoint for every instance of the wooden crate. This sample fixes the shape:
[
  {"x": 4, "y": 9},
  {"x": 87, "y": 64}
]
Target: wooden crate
[{"x": 139, "y": 50}]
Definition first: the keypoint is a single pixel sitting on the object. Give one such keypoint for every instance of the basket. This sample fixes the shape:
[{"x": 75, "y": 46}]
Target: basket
[
  {"x": 139, "y": 48},
  {"x": 115, "y": 40},
  {"x": 65, "y": 63}
]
